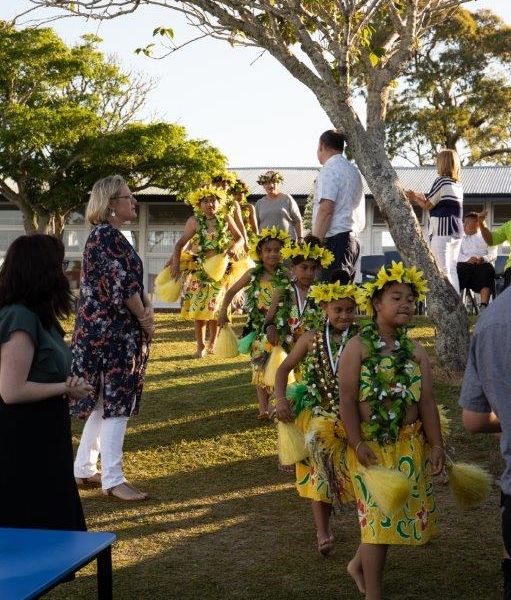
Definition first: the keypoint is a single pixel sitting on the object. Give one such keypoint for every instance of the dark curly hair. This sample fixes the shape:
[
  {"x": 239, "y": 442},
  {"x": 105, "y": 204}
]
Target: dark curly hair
[
  {"x": 313, "y": 241},
  {"x": 32, "y": 275}
]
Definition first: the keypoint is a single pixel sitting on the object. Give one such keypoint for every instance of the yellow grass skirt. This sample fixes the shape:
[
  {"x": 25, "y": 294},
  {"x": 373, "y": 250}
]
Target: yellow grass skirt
[
  {"x": 202, "y": 298},
  {"x": 416, "y": 522}
]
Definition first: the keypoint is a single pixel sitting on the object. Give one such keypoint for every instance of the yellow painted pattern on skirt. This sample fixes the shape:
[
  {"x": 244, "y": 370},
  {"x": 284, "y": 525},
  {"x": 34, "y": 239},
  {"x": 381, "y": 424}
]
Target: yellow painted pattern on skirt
[
  {"x": 416, "y": 522},
  {"x": 202, "y": 299}
]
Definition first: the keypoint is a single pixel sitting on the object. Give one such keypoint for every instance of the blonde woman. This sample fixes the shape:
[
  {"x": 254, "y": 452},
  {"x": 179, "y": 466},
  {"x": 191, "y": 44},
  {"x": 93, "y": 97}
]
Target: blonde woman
[
  {"x": 444, "y": 202},
  {"x": 114, "y": 325}
]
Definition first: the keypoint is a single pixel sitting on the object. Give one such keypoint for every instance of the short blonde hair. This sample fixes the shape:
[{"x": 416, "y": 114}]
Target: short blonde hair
[
  {"x": 102, "y": 192},
  {"x": 448, "y": 164}
]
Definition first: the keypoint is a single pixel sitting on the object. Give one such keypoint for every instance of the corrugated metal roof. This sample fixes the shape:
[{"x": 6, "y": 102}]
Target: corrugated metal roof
[{"x": 299, "y": 181}]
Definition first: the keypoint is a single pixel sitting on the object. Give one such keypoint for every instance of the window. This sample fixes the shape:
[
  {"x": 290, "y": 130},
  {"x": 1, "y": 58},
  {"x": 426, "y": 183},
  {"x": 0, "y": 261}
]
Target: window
[
  {"x": 501, "y": 213},
  {"x": 10, "y": 215},
  {"x": 168, "y": 212},
  {"x": 468, "y": 208},
  {"x": 379, "y": 220}
]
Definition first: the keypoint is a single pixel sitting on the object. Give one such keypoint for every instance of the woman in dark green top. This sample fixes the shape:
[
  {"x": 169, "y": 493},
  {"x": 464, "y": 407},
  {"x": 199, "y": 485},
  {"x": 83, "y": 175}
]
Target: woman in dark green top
[{"x": 36, "y": 455}]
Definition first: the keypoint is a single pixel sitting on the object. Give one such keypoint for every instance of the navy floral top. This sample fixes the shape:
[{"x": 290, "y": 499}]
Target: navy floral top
[{"x": 108, "y": 345}]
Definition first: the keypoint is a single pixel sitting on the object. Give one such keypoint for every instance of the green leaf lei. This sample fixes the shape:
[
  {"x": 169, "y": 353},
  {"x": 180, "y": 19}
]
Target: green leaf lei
[
  {"x": 221, "y": 240},
  {"x": 385, "y": 423},
  {"x": 255, "y": 315},
  {"x": 287, "y": 311}
]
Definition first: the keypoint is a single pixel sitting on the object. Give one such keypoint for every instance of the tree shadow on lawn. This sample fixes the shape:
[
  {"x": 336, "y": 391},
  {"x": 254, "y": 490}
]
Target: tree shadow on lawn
[
  {"x": 234, "y": 532},
  {"x": 206, "y": 427}
]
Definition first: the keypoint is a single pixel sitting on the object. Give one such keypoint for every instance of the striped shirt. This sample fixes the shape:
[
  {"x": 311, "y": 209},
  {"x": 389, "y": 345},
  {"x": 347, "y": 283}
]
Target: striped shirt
[{"x": 446, "y": 195}]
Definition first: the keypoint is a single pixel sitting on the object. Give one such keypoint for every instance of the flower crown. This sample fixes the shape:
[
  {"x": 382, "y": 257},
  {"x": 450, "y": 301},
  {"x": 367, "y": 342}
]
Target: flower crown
[
  {"x": 309, "y": 252},
  {"x": 328, "y": 292},
  {"x": 398, "y": 273},
  {"x": 268, "y": 233},
  {"x": 270, "y": 177},
  {"x": 208, "y": 191},
  {"x": 238, "y": 187},
  {"x": 227, "y": 176}
]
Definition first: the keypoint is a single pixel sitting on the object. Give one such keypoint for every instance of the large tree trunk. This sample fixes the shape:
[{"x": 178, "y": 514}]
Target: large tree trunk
[{"x": 443, "y": 303}]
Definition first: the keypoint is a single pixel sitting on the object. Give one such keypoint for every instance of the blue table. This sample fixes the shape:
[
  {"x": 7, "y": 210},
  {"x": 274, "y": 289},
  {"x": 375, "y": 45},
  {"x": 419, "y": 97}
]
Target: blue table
[{"x": 33, "y": 561}]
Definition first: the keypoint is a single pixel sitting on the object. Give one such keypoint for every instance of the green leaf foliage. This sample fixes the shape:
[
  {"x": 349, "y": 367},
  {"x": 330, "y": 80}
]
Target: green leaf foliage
[
  {"x": 63, "y": 125},
  {"x": 456, "y": 93}
]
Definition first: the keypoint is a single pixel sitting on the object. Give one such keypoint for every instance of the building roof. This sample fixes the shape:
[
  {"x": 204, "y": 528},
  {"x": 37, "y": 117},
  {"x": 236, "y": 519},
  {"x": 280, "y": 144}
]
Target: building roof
[{"x": 299, "y": 181}]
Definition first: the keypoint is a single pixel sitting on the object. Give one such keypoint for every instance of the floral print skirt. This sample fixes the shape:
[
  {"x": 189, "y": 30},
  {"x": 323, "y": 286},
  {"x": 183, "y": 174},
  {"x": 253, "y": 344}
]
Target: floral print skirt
[
  {"x": 416, "y": 522},
  {"x": 202, "y": 297}
]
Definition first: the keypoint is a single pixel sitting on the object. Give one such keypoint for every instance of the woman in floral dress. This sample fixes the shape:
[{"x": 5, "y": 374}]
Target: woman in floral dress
[{"x": 114, "y": 325}]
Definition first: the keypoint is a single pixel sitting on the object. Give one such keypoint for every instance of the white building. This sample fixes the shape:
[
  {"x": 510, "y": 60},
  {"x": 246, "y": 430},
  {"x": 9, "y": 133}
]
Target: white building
[{"x": 161, "y": 218}]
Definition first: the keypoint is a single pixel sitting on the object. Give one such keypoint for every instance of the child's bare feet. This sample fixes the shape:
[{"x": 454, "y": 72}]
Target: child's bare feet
[
  {"x": 355, "y": 571},
  {"x": 200, "y": 352},
  {"x": 326, "y": 545}
]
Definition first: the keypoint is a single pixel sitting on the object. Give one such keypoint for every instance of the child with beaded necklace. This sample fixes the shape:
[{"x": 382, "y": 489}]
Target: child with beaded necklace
[
  {"x": 292, "y": 310},
  {"x": 388, "y": 410},
  {"x": 216, "y": 234},
  {"x": 259, "y": 283},
  {"x": 317, "y": 397}
]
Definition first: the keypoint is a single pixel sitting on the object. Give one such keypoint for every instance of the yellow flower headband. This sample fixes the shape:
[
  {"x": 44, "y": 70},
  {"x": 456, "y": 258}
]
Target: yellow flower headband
[
  {"x": 239, "y": 187},
  {"x": 270, "y": 177},
  {"x": 398, "y": 273},
  {"x": 226, "y": 176},
  {"x": 309, "y": 252},
  {"x": 209, "y": 191},
  {"x": 268, "y": 233},
  {"x": 328, "y": 292}
]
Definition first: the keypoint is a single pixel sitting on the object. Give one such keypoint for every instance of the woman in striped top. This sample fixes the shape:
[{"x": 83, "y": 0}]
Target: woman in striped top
[{"x": 445, "y": 205}]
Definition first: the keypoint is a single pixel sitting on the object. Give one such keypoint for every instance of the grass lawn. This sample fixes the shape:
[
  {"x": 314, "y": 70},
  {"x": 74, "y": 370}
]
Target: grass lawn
[{"x": 224, "y": 523}]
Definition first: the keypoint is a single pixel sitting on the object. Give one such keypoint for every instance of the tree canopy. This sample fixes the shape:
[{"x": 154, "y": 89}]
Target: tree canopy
[
  {"x": 337, "y": 48},
  {"x": 68, "y": 117},
  {"x": 456, "y": 93}
]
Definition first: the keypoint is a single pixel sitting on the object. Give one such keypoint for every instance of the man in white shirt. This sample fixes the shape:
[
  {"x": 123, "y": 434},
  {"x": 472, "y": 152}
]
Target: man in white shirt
[
  {"x": 475, "y": 268},
  {"x": 338, "y": 210}
]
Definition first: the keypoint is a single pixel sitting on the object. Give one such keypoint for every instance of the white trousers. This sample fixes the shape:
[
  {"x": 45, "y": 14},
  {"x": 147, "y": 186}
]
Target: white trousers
[
  {"x": 105, "y": 437},
  {"x": 445, "y": 249}
]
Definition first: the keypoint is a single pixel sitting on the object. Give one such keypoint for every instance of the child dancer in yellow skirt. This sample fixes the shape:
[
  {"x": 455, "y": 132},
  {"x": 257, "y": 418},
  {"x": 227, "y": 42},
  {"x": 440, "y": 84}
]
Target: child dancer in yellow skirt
[
  {"x": 259, "y": 284},
  {"x": 215, "y": 234},
  {"x": 323, "y": 479},
  {"x": 388, "y": 409},
  {"x": 292, "y": 310}
]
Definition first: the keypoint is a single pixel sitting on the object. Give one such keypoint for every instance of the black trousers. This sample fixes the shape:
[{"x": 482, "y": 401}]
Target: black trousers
[{"x": 346, "y": 250}]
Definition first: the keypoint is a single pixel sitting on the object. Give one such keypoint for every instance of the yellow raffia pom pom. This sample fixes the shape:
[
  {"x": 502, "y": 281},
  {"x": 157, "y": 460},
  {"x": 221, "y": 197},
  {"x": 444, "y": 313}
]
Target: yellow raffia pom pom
[
  {"x": 470, "y": 484},
  {"x": 277, "y": 357},
  {"x": 389, "y": 488},
  {"x": 268, "y": 233},
  {"x": 163, "y": 277},
  {"x": 215, "y": 266},
  {"x": 187, "y": 262},
  {"x": 398, "y": 273},
  {"x": 329, "y": 430},
  {"x": 445, "y": 422},
  {"x": 203, "y": 193},
  {"x": 328, "y": 292},
  {"x": 308, "y": 252},
  {"x": 227, "y": 343},
  {"x": 291, "y": 443},
  {"x": 169, "y": 291}
]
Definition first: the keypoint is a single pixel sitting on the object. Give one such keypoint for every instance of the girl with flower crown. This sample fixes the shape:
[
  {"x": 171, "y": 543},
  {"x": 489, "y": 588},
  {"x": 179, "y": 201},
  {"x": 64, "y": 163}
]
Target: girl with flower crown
[
  {"x": 259, "y": 284},
  {"x": 391, "y": 419},
  {"x": 292, "y": 310},
  {"x": 215, "y": 234},
  {"x": 321, "y": 477}
]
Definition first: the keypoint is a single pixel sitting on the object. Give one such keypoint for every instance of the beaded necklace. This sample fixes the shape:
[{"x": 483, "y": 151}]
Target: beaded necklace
[
  {"x": 385, "y": 423},
  {"x": 320, "y": 388}
]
